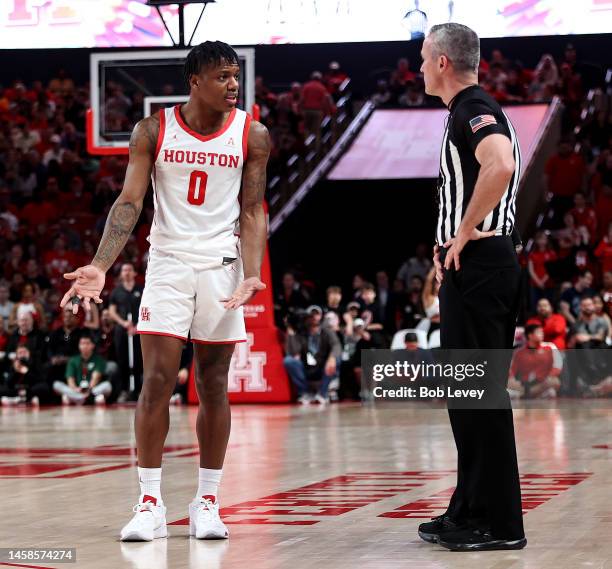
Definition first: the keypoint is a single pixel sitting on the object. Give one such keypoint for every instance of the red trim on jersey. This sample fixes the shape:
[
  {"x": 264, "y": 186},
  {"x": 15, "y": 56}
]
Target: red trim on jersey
[
  {"x": 185, "y": 126},
  {"x": 150, "y": 333},
  {"x": 215, "y": 342},
  {"x": 245, "y": 137},
  {"x": 161, "y": 133}
]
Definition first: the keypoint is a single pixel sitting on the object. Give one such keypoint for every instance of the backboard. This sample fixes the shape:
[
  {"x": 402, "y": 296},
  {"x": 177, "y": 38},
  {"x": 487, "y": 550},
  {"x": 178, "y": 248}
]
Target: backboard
[{"x": 128, "y": 86}]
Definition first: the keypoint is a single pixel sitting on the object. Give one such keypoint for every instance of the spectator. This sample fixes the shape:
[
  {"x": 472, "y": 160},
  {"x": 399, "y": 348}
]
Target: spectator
[
  {"x": 34, "y": 275},
  {"x": 590, "y": 366},
  {"x": 601, "y": 184},
  {"x": 312, "y": 355},
  {"x": 431, "y": 307},
  {"x": 59, "y": 260},
  {"x": 600, "y": 312},
  {"x": 26, "y": 335},
  {"x": 6, "y": 306},
  {"x": 371, "y": 316},
  {"x": 63, "y": 343},
  {"x": 333, "y": 302},
  {"x": 25, "y": 381},
  {"x": 291, "y": 297},
  {"x": 515, "y": 88},
  {"x": 569, "y": 305},
  {"x": 606, "y": 291},
  {"x": 361, "y": 339},
  {"x": 124, "y": 306},
  {"x": 384, "y": 297},
  {"x": 546, "y": 77},
  {"x": 29, "y": 303},
  {"x": 536, "y": 367},
  {"x": 412, "y": 97},
  {"x": 334, "y": 78},
  {"x": 383, "y": 95},
  {"x": 401, "y": 77},
  {"x": 15, "y": 263},
  {"x": 590, "y": 330},
  {"x": 542, "y": 286},
  {"x": 316, "y": 104},
  {"x": 604, "y": 251},
  {"x": 413, "y": 307},
  {"x": 565, "y": 175},
  {"x": 56, "y": 152},
  {"x": 419, "y": 265},
  {"x": 570, "y": 237},
  {"x": 61, "y": 85},
  {"x": 584, "y": 216},
  {"x": 553, "y": 325},
  {"x": 84, "y": 376}
]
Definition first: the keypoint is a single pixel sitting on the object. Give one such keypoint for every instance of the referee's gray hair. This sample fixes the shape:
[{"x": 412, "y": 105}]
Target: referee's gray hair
[{"x": 459, "y": 43}]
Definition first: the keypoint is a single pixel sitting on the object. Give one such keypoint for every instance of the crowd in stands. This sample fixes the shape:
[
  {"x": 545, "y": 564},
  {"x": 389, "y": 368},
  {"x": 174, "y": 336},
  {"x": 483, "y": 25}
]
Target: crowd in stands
[
  {"x": 324, "y": 334},
  {"x": 507, "y": 80},
  {"x": 54, "y": 199},
  {"x": 568, "y": 267}
]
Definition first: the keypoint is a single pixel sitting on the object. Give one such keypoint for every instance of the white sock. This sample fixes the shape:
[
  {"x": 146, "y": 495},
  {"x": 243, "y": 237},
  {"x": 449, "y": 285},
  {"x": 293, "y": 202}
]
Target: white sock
[
  {"x": 208, "y": 482},
  {"x": 150, "y": 484}
]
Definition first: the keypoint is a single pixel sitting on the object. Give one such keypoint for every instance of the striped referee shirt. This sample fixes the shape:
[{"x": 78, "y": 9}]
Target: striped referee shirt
[{"x": 474, "y": 115}]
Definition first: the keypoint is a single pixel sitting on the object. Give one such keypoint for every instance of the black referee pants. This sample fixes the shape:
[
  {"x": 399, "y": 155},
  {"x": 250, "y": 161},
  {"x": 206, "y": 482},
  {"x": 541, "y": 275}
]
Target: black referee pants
[{"x": 478, "y": 309}]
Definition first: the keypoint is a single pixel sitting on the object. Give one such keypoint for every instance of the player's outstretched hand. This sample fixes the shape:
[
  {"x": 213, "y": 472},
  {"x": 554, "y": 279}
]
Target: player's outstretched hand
[
  {"x": 88, "y": 282},
  {"x": 246, "y": 290}
]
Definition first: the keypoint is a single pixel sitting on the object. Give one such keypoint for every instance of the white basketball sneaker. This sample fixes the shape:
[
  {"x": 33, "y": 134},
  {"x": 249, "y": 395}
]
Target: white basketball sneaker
[
  {"x": 148, "y": 524},
  {"x": 204, "y": 520}
]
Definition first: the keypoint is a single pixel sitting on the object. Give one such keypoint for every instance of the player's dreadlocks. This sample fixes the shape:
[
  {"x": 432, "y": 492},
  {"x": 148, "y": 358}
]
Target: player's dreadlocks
[{"x": 208, "y": 53}]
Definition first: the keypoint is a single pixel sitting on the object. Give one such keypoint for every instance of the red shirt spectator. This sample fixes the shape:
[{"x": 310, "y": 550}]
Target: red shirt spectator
[
  {"x": 39, "y": 212},
  {"x": 315, "y": 97},
  {"x": 554, "y": 325},
  {"x": 538, "y": 363},
  {"x": 565, "y": 171},
  {"x": 584, "y": 216},
  {"x": 537, "y": 260},
  {"x": 59, "y": 260},
  {"x": 604, "y": 251}
]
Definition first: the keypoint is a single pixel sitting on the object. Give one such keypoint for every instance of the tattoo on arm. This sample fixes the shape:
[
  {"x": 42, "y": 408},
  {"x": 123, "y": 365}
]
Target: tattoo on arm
[
  {"x": 126, "y": 210},
  {"x": 119, "y": 226},
  {"x": 147, "y": 130},
  {"x": 254, "y": 183}
]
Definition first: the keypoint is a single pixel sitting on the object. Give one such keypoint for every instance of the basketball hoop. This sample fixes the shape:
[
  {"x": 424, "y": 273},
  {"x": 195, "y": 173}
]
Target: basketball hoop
[{"x": 181, "y": 13}]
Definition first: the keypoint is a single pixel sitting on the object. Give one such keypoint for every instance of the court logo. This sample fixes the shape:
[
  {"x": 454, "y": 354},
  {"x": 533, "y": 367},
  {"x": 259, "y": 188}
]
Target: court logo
[
  {"x": 246, "y": 371},
  {"x": 145, "y": 314}
]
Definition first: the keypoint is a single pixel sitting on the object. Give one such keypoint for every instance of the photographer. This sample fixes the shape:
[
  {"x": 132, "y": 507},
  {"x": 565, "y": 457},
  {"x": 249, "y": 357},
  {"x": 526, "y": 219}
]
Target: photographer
[
  {"x": 312, "y": 355},
  {"x": 24, "y": 382}
]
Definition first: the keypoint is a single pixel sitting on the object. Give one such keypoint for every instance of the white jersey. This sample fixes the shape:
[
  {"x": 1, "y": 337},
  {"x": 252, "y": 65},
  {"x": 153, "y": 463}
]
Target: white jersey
[{"x": 196, "y": 184}]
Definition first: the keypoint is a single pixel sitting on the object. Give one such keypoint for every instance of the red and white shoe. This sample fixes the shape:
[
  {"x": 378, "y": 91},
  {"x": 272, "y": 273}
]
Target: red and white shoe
[
  {"x": 148, "y": 524},
  {"x": 204, "y": 520}
]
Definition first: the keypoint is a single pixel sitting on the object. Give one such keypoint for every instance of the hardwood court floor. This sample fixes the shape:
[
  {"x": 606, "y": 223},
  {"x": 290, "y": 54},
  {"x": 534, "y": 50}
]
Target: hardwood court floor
[{"x": 339, "y": 488}]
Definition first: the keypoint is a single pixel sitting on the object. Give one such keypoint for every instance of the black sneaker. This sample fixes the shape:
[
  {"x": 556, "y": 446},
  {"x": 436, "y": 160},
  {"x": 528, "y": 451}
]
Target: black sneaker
[
  {"x": 473, "y": 539},
  {"x": 429, "y": 531}
]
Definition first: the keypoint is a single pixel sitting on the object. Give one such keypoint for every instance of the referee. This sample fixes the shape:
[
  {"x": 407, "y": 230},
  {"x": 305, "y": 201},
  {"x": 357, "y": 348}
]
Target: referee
[{"x": 477, "y": 266}]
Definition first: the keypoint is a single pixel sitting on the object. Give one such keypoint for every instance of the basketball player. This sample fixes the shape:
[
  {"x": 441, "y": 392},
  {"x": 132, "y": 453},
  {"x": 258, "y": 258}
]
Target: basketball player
[{"x": 207, "y": 163}]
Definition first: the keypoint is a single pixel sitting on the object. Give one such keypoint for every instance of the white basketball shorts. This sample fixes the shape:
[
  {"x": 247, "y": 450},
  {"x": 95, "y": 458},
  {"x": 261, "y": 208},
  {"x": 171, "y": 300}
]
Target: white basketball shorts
[{"x": 179, "y": 300}]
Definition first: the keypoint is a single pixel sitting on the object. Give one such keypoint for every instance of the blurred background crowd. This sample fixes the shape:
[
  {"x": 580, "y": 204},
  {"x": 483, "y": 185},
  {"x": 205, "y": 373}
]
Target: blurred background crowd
[{"x": 54, "y": 199}]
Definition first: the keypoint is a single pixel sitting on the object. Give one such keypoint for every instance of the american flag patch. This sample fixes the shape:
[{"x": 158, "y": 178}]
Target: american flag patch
[{"x": 481, "y": 121}]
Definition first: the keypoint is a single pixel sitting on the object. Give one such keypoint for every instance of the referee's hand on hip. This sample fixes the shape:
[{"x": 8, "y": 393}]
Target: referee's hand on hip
[{"x": 455, "y": 245}]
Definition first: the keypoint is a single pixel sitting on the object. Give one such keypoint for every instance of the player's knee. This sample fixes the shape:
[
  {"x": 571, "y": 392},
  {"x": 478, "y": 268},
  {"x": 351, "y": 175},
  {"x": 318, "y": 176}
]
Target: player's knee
[
  {"x": 213, "y": 389},
  {"x": 156, "y": 386}
]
